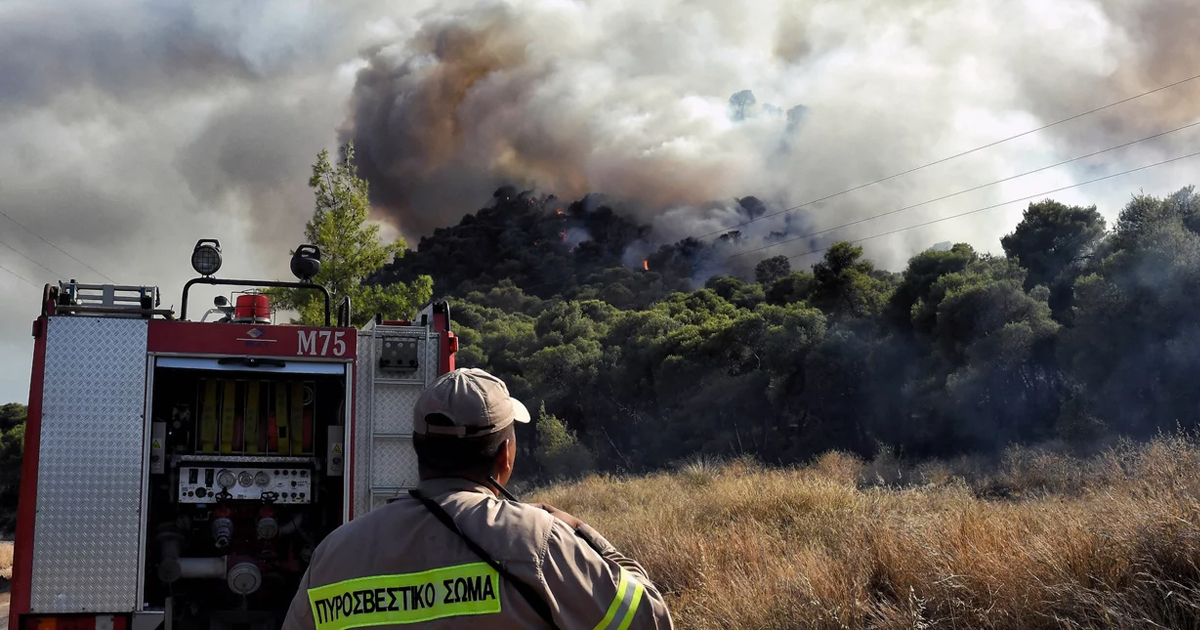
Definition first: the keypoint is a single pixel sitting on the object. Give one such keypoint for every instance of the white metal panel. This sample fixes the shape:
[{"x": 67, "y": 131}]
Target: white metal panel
[
  {"x": 361, "y": 440},
  {"x": 88, "y": 530},
  {"x": 384, "y": 461},
  {"x": 346, "y": 440},
  {"x": 392, "y": 408},
  {"x": 395, "y": 464}
]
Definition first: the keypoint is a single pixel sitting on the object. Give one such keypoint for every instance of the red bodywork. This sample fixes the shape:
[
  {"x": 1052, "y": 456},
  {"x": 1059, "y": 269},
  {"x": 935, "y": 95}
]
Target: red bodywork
[
  {"x": 193, "y": 338},
  {"x": 166, "y": 337},
  {"x": 27, "y": 496}
]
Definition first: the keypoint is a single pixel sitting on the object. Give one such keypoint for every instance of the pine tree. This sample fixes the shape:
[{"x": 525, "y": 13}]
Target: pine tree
[{"x": 350, "y": 250}]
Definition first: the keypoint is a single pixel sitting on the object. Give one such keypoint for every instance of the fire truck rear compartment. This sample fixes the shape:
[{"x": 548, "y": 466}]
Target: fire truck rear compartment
[
  {"x": 154, "y": 491},
  {"x": 246, "y": 478}
]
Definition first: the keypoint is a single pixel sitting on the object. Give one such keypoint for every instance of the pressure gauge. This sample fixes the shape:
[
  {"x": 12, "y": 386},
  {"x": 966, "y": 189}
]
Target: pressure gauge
[
  {"x": 246, "y": 479},
  {"x": 226, "y": 479},
  {"x": 262, "y": 479}
]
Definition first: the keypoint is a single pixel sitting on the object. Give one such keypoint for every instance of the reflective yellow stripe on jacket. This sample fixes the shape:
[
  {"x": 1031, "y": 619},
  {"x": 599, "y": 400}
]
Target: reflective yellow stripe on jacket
[
  {"x": 468, "y": 589},
  {"x": 624, "y": 605}
]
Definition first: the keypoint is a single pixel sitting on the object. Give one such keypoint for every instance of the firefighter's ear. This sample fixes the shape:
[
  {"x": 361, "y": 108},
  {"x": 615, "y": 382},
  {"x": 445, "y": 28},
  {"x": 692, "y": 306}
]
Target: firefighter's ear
[
  {"x": 510, "y": 452},
  {"x": 506, "y": 455}
]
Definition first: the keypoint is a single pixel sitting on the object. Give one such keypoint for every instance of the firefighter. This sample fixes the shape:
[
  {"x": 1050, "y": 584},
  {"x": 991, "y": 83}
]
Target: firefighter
[{"x": 457, "y": 554}]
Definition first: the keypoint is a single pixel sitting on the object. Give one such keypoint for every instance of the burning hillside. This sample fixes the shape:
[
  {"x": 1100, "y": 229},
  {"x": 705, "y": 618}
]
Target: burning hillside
[
  {"x": 549, "y": 246},
  {"x": 681, "y": 113}
]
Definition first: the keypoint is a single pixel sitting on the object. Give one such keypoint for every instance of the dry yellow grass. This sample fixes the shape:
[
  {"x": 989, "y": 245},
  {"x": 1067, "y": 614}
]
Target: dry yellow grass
[
  {"x": 1038, "y": 540},
  {"x": 6, "y": 560}
]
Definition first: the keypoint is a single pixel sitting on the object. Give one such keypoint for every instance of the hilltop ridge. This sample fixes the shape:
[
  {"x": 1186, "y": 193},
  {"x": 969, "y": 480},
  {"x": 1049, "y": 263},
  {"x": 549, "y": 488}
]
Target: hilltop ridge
[{"x": 548, "y": 247}]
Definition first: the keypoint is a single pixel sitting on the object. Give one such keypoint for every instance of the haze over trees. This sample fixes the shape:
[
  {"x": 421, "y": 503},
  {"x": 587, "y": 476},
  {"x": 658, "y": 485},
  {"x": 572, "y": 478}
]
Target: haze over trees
[{"x": 1077, "y": 333}]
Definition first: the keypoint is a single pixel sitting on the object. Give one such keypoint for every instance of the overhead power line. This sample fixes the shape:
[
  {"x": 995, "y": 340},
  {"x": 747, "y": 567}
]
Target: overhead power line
[
  {"x": 20, "y": 277},
  {"x": 965, "y": 191},
  {"x": 26, "y": 257},
  {"x": 529, "y": 287},
  {"x": 48, "y": 242},
  {"x": 1006, "y": 203},
  {"x": 955, "y": 156}
]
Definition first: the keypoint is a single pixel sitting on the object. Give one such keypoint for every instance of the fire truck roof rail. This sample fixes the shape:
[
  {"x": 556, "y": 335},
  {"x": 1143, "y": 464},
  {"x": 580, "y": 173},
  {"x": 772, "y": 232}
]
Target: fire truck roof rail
[{"x": 116, "y": 300}]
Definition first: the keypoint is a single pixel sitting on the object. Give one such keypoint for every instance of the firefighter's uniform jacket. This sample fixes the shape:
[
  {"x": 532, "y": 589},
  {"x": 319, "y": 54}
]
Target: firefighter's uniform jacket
[{"x": 399, "y": 565}]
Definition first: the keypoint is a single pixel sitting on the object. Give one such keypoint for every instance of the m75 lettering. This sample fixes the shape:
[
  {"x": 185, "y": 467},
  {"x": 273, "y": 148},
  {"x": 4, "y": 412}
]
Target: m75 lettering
[{"x": 317, "y": 343}]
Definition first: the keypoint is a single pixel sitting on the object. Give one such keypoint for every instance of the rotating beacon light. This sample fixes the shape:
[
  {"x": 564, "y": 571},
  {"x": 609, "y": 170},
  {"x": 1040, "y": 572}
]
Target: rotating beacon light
[
  {"x": 206, "y": 257},
  {"x": 252, "y": 308}
]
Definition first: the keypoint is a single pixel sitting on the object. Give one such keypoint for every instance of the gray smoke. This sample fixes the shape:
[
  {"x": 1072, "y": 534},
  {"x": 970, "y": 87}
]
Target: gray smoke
[
  {"x": 633, "y": 99},
  {"x": 132, "y": 128}
]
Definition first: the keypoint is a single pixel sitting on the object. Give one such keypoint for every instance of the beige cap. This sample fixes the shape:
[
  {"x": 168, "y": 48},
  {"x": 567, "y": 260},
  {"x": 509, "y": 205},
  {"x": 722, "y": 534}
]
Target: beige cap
[{"x": 475, "y": 401}]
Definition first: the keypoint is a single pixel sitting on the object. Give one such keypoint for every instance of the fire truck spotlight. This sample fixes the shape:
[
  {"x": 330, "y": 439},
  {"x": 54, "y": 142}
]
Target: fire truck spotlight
[
  {"x": 306, "y": 262},
  {"x": 206, "y": 257}
]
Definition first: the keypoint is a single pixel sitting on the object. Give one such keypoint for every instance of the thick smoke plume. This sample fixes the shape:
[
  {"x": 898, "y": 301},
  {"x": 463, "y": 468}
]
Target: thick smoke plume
[
  {"x": 132, "y": 128},
  {"x": 682, "y": 109}
]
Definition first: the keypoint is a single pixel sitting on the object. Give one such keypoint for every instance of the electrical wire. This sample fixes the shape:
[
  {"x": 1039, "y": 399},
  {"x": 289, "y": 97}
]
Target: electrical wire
[
  {"x": 952, "y": 157},
  {"x": 1010, "y": 202},
  {"x": 965, "y": 191},
  {"x": 955, "y": 156},
  {"x": 525, "y": 289},
  {"x": 20, "y": 277},
  {"x": 22, "y": 254},
  {"x": 48, "y": 242}
]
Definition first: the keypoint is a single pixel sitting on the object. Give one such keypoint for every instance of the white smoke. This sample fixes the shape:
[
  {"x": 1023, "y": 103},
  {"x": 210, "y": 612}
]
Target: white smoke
[
  {"x": 632, "y": 99},
  {"x": 134, "y": 122}
]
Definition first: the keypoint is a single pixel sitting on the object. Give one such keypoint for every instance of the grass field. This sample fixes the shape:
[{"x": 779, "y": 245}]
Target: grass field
[
  {"x": 1035, "y": 540},
  {"x": 6, "y": 559}
]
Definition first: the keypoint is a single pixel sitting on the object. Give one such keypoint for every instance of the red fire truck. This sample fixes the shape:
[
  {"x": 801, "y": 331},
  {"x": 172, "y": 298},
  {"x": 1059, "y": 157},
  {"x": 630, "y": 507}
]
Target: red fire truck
[{"x": 179, "y": 474}]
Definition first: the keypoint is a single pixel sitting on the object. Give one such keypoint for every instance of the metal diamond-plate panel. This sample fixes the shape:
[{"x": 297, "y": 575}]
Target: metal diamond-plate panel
[
  {"x": 382, "y": 498},
  {"x": 419, "y": 376},
  {"x": 382, "y": 461},
  {"x": 87, "y": 535},
  {"x": 394, "y": 407},
  {"x": 395, "y": 463},
  {"x": 430, "y": 371},
  {"x": 361, "y": 439}
]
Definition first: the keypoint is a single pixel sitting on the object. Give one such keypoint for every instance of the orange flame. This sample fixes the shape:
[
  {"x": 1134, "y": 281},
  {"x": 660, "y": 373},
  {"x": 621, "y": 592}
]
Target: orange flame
[
  {"x": 645, "y": 264},
  {"x": 560, "y": 212}
]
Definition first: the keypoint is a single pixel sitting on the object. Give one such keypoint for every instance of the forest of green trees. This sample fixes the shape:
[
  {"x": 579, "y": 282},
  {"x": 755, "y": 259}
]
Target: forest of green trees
[
  {"x": 12, "y": 444},
  {"x": 1079, "y": 333}
]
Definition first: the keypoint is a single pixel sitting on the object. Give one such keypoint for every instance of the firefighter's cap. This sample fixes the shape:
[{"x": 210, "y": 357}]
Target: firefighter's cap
[{"x": 475, "y": 402}]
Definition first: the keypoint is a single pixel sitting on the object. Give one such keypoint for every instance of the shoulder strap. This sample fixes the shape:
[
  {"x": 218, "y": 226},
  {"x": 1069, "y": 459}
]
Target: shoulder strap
[{"x": 532, "y": 597}]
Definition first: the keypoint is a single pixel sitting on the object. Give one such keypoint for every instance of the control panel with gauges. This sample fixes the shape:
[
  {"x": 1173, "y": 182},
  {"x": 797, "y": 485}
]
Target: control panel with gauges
[{"x": 281, "y": 483}]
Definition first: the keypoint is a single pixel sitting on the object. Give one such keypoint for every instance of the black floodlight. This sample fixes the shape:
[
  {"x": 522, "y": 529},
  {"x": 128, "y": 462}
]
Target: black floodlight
[
  {"x": 223, "y": 305},
  {"x": 206, "y": 258},
  {"x": 306, "y": 262}
]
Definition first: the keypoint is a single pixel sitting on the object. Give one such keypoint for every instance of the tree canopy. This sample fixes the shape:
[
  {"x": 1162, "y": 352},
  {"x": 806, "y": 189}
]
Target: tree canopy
[
  {"x": 638, "y": 357},
  {"x": 350, "y": 250},
  {"x": 1074, "y": 332},
  {"x": 12, "y": 446}
]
